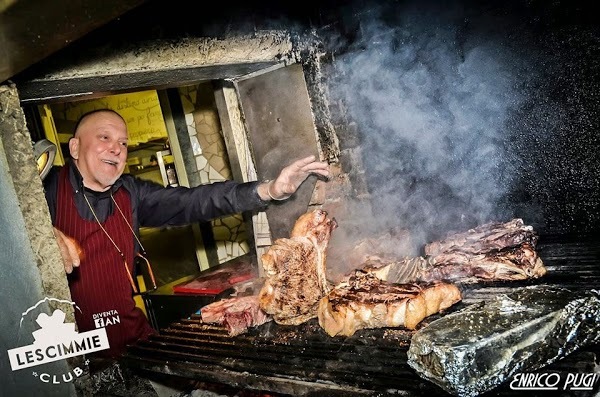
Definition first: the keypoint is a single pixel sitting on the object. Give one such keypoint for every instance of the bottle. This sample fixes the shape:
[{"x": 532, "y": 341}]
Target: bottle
[
  {"x": 171, "y": 175},
  {"x": 169, "y": 166}
]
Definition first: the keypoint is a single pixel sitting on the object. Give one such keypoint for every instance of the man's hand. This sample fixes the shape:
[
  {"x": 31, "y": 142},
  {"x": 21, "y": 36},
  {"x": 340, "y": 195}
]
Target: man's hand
[
  {"x": 291, "y": 177},
  {"x": 70, "y": 250}
]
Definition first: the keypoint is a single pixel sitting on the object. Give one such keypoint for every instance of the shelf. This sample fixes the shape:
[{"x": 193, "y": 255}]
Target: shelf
[
  {"x": 157, "y": 144},
  {"x": 147, "y": 168}
]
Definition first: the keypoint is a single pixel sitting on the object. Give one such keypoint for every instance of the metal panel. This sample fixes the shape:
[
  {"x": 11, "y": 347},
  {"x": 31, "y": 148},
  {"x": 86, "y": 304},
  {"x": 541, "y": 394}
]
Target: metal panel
[{"x": 278, "y": 115}]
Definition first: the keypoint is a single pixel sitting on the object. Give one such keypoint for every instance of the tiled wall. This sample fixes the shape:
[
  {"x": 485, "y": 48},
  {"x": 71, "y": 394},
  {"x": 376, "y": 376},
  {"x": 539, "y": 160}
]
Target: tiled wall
[{"x": 212, "y": 163}]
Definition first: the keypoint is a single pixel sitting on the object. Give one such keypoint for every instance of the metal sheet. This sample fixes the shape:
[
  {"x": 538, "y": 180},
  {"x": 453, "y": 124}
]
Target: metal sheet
[
  {"x": 276, "y": 107},
  {"x": 46, "y": 90}
]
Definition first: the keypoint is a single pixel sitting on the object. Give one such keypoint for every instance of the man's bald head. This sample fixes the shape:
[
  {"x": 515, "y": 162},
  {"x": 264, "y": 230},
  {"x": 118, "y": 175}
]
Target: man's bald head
[
  {"x": 90, "y": 115},
  {"x": 99, "y": 148}
]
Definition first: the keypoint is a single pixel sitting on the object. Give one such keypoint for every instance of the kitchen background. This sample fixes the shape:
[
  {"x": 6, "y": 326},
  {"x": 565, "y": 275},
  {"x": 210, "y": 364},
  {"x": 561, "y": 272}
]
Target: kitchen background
[{"x": 174, "y": 251}]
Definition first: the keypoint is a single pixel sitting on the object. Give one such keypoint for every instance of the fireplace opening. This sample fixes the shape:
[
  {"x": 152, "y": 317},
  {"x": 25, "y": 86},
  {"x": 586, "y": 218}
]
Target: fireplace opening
[{"x": 241, "y": 128}]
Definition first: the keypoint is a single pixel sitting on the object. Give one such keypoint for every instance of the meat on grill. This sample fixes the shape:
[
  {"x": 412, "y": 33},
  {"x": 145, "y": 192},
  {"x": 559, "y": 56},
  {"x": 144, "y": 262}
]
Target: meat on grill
[
  {"x": 236, "y": 314},
  {"x": 365, "y": 301},
  {"x": 295, "y": 270},
  {"x": 491, "y": 236},
  {"x": 490, "y": 252}
]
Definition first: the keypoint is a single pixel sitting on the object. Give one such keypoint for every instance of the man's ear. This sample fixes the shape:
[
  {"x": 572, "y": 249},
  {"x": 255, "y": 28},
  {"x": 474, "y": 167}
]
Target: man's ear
[{"x": 74, "y": 147}]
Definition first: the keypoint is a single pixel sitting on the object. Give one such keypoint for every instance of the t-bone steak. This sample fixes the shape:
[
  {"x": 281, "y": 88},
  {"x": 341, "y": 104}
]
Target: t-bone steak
[
  {"x": 295, "y": 270},
  {"x": 365, "y": 301},
  {"x": 490, "y": 252}
]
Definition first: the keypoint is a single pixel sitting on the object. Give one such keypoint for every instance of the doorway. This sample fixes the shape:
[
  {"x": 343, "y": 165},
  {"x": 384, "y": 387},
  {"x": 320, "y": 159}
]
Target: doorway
[{"x": 244, "y": 128}]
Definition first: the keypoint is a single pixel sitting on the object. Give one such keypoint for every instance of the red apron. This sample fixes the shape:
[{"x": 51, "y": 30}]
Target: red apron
[{"x": 100, "y": 287}]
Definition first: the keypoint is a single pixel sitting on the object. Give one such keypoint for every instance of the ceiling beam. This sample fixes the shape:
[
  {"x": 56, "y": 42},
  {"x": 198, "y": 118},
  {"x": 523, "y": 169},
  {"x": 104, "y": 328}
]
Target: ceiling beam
[{"x": 31, "y": 30}]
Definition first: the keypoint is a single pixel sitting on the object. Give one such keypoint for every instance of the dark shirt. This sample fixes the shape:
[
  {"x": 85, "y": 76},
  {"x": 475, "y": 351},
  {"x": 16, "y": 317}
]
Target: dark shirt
[
  {"x": 99, "y": 285},
  {"x": 154, "y": 205}
]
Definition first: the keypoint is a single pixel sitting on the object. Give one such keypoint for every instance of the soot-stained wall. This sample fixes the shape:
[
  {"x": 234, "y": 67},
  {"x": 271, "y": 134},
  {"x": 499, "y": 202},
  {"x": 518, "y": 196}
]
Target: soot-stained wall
[{"x": 28, "y": 269}]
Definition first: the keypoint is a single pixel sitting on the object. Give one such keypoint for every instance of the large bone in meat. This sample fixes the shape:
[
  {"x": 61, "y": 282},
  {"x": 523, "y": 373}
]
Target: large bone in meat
[
  {"x": 364, "y": 301},
  {"x": 509, "y": 264},
  {"x": 295, "y": 270}
]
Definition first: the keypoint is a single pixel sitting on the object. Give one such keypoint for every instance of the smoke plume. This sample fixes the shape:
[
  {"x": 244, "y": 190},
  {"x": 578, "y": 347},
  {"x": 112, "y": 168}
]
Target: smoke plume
[{"x": 431, "y": 90}]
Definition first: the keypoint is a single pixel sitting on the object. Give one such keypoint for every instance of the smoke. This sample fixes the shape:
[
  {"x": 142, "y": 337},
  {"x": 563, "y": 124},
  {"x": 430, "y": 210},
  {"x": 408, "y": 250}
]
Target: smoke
[{"x": 431, "y": 90}]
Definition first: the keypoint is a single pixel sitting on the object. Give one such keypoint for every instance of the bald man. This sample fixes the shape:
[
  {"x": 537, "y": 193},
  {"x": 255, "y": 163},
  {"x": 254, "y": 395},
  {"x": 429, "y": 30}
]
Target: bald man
[{"x": 97, "y": 212}]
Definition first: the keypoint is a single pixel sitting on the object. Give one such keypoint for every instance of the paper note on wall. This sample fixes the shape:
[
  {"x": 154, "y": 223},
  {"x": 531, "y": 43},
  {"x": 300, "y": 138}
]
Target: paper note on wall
[{"x": 141, "y": 111}]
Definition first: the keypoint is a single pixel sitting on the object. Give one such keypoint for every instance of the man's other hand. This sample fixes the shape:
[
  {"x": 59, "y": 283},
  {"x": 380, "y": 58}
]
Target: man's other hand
[{"x": 70, "y": 250}]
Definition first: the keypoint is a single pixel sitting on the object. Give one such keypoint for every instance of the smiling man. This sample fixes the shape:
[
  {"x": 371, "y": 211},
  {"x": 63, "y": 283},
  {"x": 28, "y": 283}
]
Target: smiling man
[
  {"x": 99, "y": 149},
  {"x": 97, "y": 212}
]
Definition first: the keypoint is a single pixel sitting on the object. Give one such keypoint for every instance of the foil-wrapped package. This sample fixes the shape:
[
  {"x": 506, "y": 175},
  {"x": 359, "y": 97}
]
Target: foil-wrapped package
[{"x": 483, "y": 345}]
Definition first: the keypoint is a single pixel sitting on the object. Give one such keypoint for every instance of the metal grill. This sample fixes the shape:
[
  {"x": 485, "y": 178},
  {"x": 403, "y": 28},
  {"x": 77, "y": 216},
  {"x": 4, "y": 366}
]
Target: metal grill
[{"x": 303, "y": 360}]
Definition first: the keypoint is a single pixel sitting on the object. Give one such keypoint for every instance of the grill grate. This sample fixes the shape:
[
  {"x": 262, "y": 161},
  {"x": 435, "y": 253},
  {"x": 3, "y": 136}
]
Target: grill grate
[{"x": 303, "y": 360}]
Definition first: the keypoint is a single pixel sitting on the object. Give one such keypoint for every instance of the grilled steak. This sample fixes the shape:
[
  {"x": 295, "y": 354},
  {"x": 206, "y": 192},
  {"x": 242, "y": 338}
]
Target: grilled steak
[
  {"x": 295, "y": 270},
  {"x": 491, "y": 236},
  {"x": 236, "y": 314},
  {"x": 365, "y": 301},
  {"x": 508, "y": 264},
  {"x": 490, "y": 252}
]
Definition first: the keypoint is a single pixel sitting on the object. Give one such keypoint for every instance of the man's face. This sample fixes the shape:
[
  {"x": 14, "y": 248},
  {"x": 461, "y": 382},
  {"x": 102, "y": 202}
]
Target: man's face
[{"x": 100, "y": 150}]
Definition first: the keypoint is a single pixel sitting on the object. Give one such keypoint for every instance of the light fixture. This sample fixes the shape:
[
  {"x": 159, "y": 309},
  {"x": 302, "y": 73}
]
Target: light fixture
[{"x": 44, "y": 152}]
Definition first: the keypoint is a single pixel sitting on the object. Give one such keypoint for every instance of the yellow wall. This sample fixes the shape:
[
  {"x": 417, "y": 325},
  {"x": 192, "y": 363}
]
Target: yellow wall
[{"x": 141, "y": 111}]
